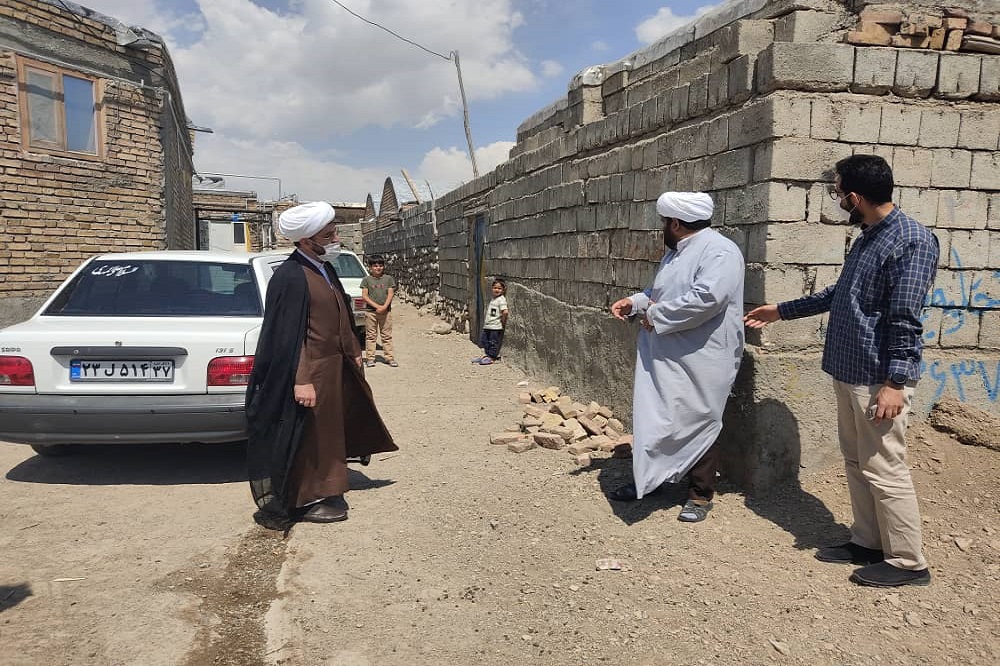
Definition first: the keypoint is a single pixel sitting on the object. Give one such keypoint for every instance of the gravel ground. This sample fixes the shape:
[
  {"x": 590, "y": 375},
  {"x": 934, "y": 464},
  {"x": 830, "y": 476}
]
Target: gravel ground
[{"x": 459, "y": 552}]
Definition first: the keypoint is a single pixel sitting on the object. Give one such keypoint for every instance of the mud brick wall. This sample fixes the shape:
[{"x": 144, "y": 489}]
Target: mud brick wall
[
  {"x": 55, "y": 209},
  {"x": 754, "y": 103}
]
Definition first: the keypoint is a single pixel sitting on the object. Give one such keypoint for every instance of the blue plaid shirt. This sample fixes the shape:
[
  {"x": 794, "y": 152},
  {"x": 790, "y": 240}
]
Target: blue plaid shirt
[{"x": 874, "y": 329}]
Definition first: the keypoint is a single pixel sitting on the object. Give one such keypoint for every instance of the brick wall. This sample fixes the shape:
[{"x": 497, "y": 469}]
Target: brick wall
[
  {"x": 56, "y": 210},
  {"x": 753, "y": 103}
]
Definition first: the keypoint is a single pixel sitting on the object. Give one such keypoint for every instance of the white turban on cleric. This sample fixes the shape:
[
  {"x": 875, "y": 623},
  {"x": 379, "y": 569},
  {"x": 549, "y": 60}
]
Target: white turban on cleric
[
  {"x": 685, "y": 206},
  {"x": 305, "y": 220}
]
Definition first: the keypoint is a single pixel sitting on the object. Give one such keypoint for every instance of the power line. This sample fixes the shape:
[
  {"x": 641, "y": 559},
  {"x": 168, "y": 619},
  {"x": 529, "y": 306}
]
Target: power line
[{"x": 394, "y": 34}]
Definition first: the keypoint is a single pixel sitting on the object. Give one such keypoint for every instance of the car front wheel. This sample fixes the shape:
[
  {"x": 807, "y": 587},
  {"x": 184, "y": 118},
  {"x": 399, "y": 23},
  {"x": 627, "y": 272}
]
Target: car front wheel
[{"x": 54, "y": 450}]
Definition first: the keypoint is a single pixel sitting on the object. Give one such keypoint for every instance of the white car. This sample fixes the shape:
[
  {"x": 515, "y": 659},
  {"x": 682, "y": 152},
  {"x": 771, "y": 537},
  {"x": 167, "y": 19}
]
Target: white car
[{"x": 144, "y": 347}]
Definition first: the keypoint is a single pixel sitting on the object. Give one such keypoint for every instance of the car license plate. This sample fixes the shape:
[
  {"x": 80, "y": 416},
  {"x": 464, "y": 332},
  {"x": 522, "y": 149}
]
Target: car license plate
[{"x": 121, "y": 371}]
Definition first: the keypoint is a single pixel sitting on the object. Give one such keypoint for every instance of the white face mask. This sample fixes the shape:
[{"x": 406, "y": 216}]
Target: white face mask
[{"x": 331, "y": 251}]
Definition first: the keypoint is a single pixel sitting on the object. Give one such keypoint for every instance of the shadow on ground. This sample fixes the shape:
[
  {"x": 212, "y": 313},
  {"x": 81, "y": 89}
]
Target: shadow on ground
[
  {"x": 142, "y": 464},
  {"x": 802, "y": 515},
  {"x": 12, "y": 595},
  {"x": 615, "y": 472}
]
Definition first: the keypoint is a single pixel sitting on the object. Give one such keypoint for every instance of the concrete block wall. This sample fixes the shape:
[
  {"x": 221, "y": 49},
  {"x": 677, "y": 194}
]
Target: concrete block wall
[
  {"x": 753, "y": 103},
  {"x": 410, "y": 249}
]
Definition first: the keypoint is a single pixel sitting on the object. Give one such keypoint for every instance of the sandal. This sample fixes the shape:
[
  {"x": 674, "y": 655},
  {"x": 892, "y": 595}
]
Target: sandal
[
  {"x": 694, "y": 513},
  {"x": 486, "y": 361},
  {"x": 393, "y": 364},
  {"x": 369, "y": 364},
  {"x": 477, "y": 360},
  {"x": 626, "y": 493}
]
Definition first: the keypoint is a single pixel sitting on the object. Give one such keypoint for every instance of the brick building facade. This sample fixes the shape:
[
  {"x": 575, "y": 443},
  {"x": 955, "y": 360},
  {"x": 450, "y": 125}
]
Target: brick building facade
[{"x": 95, "y": 147}]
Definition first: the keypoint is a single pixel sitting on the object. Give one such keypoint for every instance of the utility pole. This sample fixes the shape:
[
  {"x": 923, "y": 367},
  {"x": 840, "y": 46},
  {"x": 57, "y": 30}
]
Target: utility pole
[{"x": 465, "y": 114}]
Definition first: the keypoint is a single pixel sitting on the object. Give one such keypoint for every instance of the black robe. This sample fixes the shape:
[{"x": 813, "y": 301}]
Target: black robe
[{"x": 274, "y": 419}]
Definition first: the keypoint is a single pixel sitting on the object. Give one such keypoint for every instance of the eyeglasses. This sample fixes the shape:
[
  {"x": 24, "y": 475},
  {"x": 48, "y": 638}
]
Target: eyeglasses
[{"x": 834, "y": 194}]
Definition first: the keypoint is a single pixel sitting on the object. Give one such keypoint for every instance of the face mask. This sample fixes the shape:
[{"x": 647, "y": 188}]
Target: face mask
[{"x": 331, "y": 251}]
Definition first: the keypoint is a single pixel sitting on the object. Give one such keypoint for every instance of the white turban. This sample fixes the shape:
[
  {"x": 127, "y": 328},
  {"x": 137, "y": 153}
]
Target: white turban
[
  {"x": 685, "y": 206},
  {"x": 305, "y": 220}
]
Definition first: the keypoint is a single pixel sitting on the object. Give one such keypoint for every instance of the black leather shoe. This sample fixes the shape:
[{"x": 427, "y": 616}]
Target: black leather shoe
[
  {"x": 849, "y": 553},
  {"x": 886, "y": 575},
  {"x": 321, "y": 512},
  {"x": 336, "y": 501}
]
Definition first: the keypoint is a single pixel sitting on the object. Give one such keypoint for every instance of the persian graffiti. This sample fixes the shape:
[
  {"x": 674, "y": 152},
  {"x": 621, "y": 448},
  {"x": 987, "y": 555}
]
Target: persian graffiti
[
  {"x": 963, "y": 379},
  {"x": 974, "y": 294}
]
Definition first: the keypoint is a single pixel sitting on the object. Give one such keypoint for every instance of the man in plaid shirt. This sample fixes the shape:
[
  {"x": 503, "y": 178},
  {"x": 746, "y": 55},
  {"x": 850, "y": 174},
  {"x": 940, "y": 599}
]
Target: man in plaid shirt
[{"x": 873, "y": 347}]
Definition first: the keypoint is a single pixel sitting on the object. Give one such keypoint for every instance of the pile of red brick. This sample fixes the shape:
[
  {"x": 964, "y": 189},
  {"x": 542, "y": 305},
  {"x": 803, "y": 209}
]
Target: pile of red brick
[
  {"x": 555, "y": 421},
  {"x": 953, "y": 30}
]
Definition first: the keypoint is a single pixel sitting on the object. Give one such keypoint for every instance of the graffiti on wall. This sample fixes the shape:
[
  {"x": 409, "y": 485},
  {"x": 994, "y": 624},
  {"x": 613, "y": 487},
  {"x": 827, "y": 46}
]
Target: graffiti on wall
[
  {"x": 968, "y": 380},
  {"x": 974, "y": 295},
  {"x": 963, "y": 379}
]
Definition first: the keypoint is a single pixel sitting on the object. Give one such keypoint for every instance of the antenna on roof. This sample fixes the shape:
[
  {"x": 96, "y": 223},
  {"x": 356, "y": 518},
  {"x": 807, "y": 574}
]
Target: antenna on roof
[{"x": 413, "y": 186}]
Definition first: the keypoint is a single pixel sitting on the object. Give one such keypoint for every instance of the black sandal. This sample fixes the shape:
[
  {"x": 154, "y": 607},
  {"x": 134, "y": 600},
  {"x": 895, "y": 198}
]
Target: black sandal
[{"x": 626, "y": 493}]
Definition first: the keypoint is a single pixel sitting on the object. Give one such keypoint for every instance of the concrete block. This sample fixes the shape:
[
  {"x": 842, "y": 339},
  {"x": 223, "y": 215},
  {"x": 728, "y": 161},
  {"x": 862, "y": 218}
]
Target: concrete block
[
  {"x": 718, "y": 135},
  {"x": 989, "y": 330},
  {"x": 679, "y": 103},
  {"x": 824, "y": 209},
  {"x": 900, "y": 125},
  {"x": 985, "y": 171},
  {"x": 751, "y": 124},
  {"x": 874, "y": 71},
  {"x": 797, "y": 159},
  {"x": 939, "y": 128},
  {"x": 804, "y": 243},
  {"x": 698, "y": 96},
  {"x": 958, "y": 76},
  {"x": 718, "y": 88},
  {"x": 744, "y": 37},
  {"x": 911, "y": 167},
  {"x": 994, "y": 259},
  {"x": 809, "y": 66},
  {"x": 921, "y": 205},
  {"x": 773, "y": 284},
  {"x": 993, "y": 215},
  {"x": 985, "y": 289},
  {"x": 970, "y": 249},
  {"x": 861, "y": 123},
  {"x": 790, "y": 116},
  {"x": 960, "y": 327},
  {"x": 732, "y": 168},
  {"x": 950, "y": 289},
  {"x": 766, "y": 202},
  {"x": 827, "y": 119},
  {"x": 797, "y": 334},
  {"x": 979, "y": 129},
  {"x": 950, "y": 168},
  {"x": 804, "y": 26},
  {"x": 962, "y": 209},
  {"x": 741, "y": 79},
  {"x": 916, "y": 73},
  {"x": 824, "y": 277},
  {"x": 989, "y": 80}
]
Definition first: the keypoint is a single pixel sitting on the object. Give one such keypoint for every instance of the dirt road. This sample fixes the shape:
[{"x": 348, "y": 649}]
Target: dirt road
[{"x": 458, "y": 552}]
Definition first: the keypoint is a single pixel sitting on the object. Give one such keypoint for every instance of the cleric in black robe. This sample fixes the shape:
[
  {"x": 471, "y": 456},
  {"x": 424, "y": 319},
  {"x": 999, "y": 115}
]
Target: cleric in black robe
[{"x": 308, "y": 405}]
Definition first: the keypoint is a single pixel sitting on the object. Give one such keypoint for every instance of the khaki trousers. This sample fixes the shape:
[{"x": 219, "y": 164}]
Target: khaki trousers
[
  {"x": 375, "y": 322},
  {"x": 886, "y": 515}
]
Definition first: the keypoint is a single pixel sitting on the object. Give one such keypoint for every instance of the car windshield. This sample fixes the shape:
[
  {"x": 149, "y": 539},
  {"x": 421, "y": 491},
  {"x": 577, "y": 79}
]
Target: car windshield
[
  {"x": 348, "y": 266},
  {"x": 152, "y": 288}
]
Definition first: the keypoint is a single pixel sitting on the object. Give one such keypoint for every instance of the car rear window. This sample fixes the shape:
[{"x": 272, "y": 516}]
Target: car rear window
[
  {"x": 348, "y": 266},
  {"x": 151, "y": 288}
]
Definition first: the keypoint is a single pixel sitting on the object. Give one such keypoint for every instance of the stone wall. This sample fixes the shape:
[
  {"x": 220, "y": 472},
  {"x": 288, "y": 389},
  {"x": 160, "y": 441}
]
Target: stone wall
[
  {"x": 410, "y": 248},
  {"x": 56, "y": 208},
  {"x": 754, "y": 103}
]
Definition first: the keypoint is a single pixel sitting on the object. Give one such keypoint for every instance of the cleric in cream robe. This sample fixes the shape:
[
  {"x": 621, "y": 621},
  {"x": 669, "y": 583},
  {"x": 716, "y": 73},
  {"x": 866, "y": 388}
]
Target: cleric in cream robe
[{"x": 689, "y": 350}]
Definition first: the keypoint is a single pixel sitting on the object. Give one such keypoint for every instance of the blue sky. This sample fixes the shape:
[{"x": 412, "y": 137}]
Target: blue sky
[{"x": 302, "y": 91}]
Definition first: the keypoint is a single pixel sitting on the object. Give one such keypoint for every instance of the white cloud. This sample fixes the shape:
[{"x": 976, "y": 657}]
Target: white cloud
[
  {"x": 316, "y": 72},
  {"x": 446, "y": 168},
  {"x": 551, "y": 69},
  {"x": 600, "y": 45},
  {"x": 303, "y": 172},
  {"x": 665, "y": 22}
]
